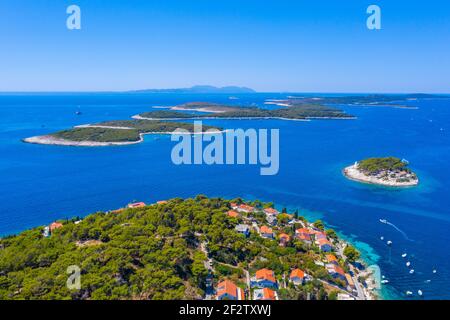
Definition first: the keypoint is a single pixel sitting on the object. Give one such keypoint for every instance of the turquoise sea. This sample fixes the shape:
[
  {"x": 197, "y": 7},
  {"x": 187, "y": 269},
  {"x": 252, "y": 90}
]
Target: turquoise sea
[{"x": 39, "y": 184}]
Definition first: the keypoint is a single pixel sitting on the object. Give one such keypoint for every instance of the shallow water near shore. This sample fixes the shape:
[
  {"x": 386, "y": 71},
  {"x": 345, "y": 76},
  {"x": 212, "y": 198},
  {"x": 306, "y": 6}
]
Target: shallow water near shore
[{"x": 40, "y": 184}]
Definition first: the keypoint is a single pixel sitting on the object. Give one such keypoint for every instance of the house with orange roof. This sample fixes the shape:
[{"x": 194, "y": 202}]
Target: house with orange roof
[
  {"x": 297, "y": 277},
  {"x": 331, "y": 258},
  {"x": 264, "y": 294},
  {"x": 271, "y": 215},
  {"x": 136, "y": 205},
  {"x": 55, "y": 225},
  {"x": 335, "y": 271},
  {"x": 266, "y": 232},
  {"x": 324, "y": 245},
  {"x": 227, "y": 290},
  {"x": 233, "y": 214},
  {"x": 271, "y": 211},
  {"x": 304, "y": 231},
  {"x": 304, "y": 235},
  {"x": 264, "y": 278},
  {"x": 284, "y": 239},
  {"x": 245, "y": 208},
  {"x": 162, "y": 202},
  {"x": 234, "y": 205}
]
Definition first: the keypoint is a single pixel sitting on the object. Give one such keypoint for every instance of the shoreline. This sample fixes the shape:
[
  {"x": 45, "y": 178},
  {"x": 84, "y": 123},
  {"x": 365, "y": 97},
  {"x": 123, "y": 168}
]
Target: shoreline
[
  {"x": 139, "y": 117},
  {"x": 352, "y": 173}
]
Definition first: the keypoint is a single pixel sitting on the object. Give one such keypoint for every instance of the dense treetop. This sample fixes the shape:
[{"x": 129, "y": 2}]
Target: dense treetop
[
  {"x": 105, "y": 131},
  {"x": 376, "y": 165},
  {"x": 153, "y": 252},
  {"x": 302, "y": 111}
]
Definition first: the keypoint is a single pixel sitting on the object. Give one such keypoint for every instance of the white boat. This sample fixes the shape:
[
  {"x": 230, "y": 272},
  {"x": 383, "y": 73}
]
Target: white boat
[
  {"x": 383, "y": 221},
  {"x": 434, "y": 271},
  {"x": 389, "y": 242},
  {"x": 384, "y": 281},
  {"x": 427, "y": 281},
  {"x": 408, "y": 264},
  {"x": 419, "y": 292},
  {"x": 404, "y": 255},
  {"x": 411, "y": 271},
  {"x": 409, "y": 293},
  {"x": 381, "y": 238}
]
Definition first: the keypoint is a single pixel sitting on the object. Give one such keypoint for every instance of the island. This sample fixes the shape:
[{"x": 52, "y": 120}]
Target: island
[
  {"x": 372, "y": 100},
  {"x": 196, "y": 248},
  {"x": 110, "y": 133},
  {"x": 217, "y": 111},
  {"x": 126, "y": 132},
  {"x": 389, "y": 171}
]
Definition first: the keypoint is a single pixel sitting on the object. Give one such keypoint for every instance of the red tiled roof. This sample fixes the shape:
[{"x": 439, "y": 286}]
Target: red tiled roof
[
  {"x": 339, "y": 270},
  {"x": 55, "y": 225},
  {"x": 297, "y": 273},
  {"x": 331, "y": 258},
  {"x": 233, "y": 214},
  {"x": 304, "y": 231},
  {"x": 227, "y": 287},
  {"x": 137, "y": 205},
  {"x": 265, "y": 274},
  {"x": 270, "y": 211},
  {"x": 268, "y": 294},
  {"x": 246, "y": 207},
  {"x": 265, "y": 229},
  {"x": 303, "y": 236}
]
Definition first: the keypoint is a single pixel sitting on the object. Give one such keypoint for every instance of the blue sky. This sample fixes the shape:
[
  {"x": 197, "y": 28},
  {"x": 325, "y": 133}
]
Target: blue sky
[{"x": 298, "y": 46}]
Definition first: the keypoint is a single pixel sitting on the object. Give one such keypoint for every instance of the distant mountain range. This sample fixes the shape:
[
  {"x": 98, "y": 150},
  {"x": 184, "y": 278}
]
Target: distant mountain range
[{"x": 200, "y": 89}]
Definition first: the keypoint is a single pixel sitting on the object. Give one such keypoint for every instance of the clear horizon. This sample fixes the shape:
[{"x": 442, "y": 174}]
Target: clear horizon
[
  {"x": 275, "y": 46},
  {"x": 256, "y": 92}
]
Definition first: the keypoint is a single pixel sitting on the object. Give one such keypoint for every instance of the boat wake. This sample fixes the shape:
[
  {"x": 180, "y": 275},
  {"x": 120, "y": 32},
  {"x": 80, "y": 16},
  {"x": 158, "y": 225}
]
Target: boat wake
[{"x": 396, "y": 228}]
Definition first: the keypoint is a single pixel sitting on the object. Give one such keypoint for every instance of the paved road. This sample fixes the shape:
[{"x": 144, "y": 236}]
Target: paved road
[{"x": 360, "y": 292}]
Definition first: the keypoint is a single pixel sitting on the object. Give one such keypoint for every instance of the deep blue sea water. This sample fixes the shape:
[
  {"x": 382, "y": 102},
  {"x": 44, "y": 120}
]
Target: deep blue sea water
[{"x": 39, "y": 184}]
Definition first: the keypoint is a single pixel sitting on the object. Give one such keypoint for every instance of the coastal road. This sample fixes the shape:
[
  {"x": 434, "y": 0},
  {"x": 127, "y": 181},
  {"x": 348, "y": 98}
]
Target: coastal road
[{"x": 359, "y": 290}]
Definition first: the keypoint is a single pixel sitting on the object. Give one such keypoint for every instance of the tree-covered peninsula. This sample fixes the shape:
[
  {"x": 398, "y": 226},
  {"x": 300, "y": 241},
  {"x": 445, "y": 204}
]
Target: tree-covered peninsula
[
  {"x": 389, "y": 171},
  {"x": 298, "y": 112},
  {"x": 118, "y": 132},
  {"x": 180, "y": 249}
]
